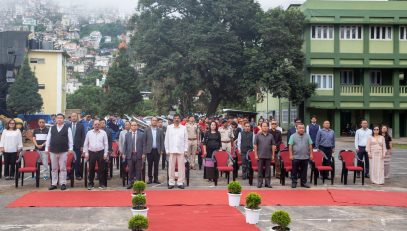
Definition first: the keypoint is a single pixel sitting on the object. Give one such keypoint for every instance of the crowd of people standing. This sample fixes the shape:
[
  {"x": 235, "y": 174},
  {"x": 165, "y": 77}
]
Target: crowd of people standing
[{"x": 181, "y": 140}]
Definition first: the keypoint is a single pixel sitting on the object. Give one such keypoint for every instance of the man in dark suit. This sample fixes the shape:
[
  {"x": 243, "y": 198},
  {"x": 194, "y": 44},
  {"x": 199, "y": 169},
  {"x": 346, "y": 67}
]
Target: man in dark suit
[
  {"x": 160, "y": 124},
  {"x": 154, "y": 147},
  {"x": 78, "y": 134},
  {"x": 134, "y": 152}
]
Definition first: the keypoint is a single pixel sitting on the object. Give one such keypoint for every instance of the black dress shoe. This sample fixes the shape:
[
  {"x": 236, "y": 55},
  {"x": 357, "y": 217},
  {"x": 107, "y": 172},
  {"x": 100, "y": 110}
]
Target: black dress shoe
[
  {"x": 52, "y": 187},
  {"x": 181, "y": 186},
  {"x": 294, "y": 185},
  {"x": 157, "y": 182},
  {"x": 170, "y": 186},
  {"x": 367, "y": 176},
  {"x": 268, "y": 186},
  {"x": 150, "y": 182},
  {"x": 259, "y": 185},
  {"x": 78, "y": 178},
  {"x": 130, "y": 186},
  {"x": 63, "y": 187},
  {"x": 305, "y": 186}
]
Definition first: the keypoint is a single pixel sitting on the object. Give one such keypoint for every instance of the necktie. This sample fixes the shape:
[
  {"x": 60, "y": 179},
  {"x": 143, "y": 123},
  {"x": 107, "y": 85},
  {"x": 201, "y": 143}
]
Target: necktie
[
  {"x": 134, "y": 141},
  {"x": 74, "y": 129}
]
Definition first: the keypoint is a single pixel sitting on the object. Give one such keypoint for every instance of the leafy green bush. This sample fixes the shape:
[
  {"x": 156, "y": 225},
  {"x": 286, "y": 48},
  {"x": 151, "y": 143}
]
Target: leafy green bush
[
  {"x": 139, "y": 187},
  {"x": 253, "y": 200},
  {"x": 281, "y": 218},
  {"x": 234, "y": 187},
  {"x": 138, "y": 223},
  {"x": 139, "y": 201}
]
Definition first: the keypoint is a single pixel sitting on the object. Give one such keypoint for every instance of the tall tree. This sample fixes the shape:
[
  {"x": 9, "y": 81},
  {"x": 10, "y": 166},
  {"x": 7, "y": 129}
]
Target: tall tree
[
  {"x": 199, "y": 43},
  {"x": 88, "y": 98},
  {"x": 23, "y": 95},
  {"x": 278, "y": 60},
  {"x": 122, "y": 87}
]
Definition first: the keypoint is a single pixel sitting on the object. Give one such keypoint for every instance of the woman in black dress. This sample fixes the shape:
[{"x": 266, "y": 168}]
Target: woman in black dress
[{"x": 211, "y": 143}]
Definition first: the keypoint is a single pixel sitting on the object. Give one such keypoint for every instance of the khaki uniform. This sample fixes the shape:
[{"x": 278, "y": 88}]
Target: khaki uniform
[
  {"x": 226, "y": 136},
  {"x": 193, "y": 135}
]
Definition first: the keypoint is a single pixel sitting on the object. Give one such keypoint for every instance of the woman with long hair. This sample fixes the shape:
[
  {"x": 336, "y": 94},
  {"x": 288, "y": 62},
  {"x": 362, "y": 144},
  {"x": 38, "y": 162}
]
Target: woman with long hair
[
  {"x": 389, "y": 147},
  {"x": 376, "y": 150},
  {"x": 10, "y": 144},
  {"x": 211, "y": 143}
]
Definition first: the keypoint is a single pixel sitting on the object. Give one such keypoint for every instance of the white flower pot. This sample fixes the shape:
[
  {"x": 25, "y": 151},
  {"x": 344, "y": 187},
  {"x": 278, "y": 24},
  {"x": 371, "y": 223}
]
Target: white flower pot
[
  {"x": 139, "y": 212},
  {"x": 252, "y": 215},
  {"x": 234, "y": 199}
]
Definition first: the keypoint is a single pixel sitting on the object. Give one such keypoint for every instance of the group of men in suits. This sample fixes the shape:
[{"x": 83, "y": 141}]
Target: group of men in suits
[{"x": 139, "y": 145}]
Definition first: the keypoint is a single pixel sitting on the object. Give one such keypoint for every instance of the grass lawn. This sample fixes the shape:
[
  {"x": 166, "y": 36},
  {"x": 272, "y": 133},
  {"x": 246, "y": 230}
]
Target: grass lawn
[{"x": 400, "y": 146}]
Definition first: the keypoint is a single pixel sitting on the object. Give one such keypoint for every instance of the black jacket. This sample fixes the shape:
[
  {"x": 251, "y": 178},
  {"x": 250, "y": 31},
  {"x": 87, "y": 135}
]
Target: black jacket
[{"x": 80, "y": 135}]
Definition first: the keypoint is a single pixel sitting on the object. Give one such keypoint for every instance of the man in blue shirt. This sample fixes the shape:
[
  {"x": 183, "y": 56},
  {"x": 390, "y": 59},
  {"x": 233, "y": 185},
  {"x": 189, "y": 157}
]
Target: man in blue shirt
[{"x": 325, "y": 142}]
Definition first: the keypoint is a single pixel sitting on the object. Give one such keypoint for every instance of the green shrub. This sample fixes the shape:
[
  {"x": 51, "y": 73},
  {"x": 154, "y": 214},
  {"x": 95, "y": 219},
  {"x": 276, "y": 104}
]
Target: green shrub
[
  {"x": 138, "y": 222},
  {"x": 234, "y": 187},
  {"x": 139, "y": 201},
  {"x": 139, "y": 187},
  {"x": 281, "y": 218},
  {"x": 253, "y": 200}
]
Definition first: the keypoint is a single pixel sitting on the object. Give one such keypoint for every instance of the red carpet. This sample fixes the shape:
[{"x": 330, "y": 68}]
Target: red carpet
[
  {"x": 197, "y": 218},
  {"x": 331, "y": 197}
]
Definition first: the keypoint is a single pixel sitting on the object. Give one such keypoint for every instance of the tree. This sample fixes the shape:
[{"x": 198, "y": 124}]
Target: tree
[
  {"x": 23, "y": 95},
  {"x": 88, "y": 98},
  {"x": 199, "y": 43},
  {"x": 278, "y": 59},
  {"x": 123, "y": 92},
  {"x": 91, "y": 77}
]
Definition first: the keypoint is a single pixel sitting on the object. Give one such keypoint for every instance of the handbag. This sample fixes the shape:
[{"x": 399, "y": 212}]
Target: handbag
[{"x": 209, "y": 162}]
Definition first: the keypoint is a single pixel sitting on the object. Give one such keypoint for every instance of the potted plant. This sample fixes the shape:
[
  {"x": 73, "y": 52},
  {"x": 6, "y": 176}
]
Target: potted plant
[
  {"x": 138, "y": 188},
  {"x": 234, "y": 193},
  {"x": 138, "y": 223},
  {"x": 282, "y": 219},
  {"x": 252, "y": 209},
  {"x": 139, "y": 205}
]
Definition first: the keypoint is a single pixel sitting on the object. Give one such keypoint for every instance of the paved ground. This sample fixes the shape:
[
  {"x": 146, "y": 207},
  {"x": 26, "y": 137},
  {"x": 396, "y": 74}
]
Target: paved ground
[{"x": 304, "y": 218}]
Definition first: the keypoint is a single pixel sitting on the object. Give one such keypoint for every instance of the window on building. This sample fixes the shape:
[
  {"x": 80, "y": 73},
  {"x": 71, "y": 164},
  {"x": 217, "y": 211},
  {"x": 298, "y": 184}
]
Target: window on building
[
  {"x": 284, "y": 118},
  {"x": 37, "y": 60},
  {"x": 323, "y": 81},
  {"x": 347, "y": 77},
  {"x": 375, "y": 77},
  {"x": 351, "y": 32},
  {"x": 322, "y": 32},
  {"x": 380, "y": 32},
  {"x": 403, "y": 32}
]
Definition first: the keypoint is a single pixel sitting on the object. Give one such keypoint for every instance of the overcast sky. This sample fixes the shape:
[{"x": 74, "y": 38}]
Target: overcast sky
[{"x": 130, "y": 5}]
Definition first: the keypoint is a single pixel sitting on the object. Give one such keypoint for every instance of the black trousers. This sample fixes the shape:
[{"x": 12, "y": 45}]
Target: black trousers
[
  {"x": 326, "y": 161},
  {"x": 10, "y": 159},
  {"x": 266, "y": 164},
  {"x": 153, "y": 160},
  {"x": 362, "y": 154},
  {"x": 93, "y": 158},
  {"x": 78, "y": 157},
  {"x": 299, "y": 167}
]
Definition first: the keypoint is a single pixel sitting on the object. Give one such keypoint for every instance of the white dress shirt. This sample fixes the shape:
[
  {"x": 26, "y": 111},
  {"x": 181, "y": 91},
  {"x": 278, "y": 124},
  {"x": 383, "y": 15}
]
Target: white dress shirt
[
  {"x": 11, "y": 140},
  {"x": 176, "y": 139},
  {"x": 96, "y": 141},
  {"x": 361, "y": 137},
  {"x": 59, "y": 128}
]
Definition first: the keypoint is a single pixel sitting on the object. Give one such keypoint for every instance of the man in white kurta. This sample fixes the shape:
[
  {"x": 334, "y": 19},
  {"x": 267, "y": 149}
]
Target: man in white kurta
[{"x": 176, "y": 146}]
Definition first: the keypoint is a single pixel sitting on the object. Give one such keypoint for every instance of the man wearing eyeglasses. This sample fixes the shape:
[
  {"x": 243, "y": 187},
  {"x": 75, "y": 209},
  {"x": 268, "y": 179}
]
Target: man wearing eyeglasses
[{"x": 39, "y": 138}]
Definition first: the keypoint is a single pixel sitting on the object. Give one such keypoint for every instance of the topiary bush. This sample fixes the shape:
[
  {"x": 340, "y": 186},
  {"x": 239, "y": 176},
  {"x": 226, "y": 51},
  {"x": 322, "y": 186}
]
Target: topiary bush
[
  {"x": 138, "y": 223},
  {"x": 253, "y": 200},
  {"x": 281, "y": 218},
  {"x": 234, "y": 187},
  {"x": 139, "y": 187},
  {"x": 139, "y": 201}
]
